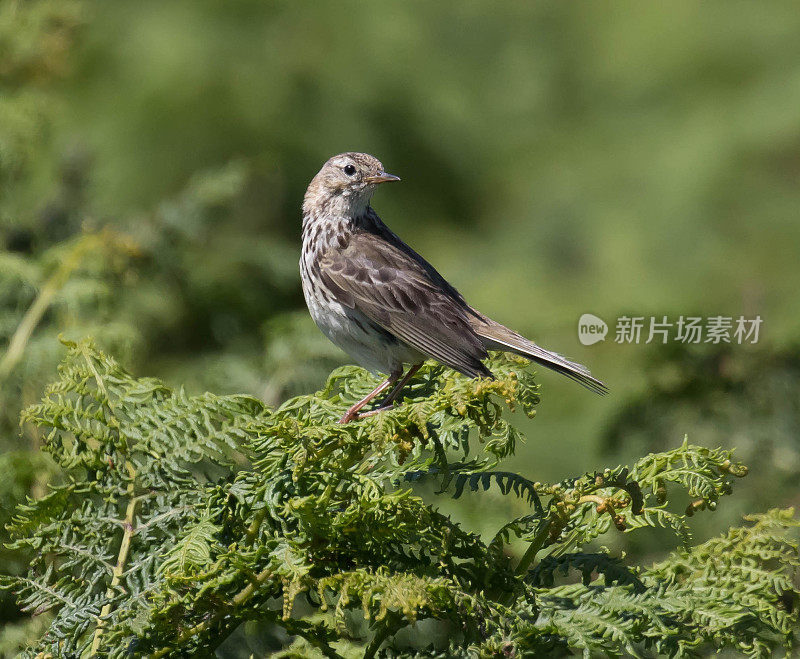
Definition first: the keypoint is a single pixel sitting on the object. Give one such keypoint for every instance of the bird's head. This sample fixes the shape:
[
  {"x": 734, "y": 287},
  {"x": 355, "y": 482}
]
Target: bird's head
[{"x": 345, "y": 184}]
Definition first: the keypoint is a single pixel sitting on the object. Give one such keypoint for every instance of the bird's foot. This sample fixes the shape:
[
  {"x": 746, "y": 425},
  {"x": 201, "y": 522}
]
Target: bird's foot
[
  {"x": 350, "y": 415},
  {"x": 377, "y": 410},
  {"x": 354, "y": 415}
]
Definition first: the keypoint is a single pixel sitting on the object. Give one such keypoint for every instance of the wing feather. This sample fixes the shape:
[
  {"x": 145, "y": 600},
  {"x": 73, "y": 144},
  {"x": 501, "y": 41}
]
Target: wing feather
[{"x": 396, "y": 292}]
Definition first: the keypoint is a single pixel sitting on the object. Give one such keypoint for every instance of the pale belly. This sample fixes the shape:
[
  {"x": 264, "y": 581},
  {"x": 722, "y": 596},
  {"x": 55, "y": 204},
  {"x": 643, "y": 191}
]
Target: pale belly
[{"x": 354, "y": 333}]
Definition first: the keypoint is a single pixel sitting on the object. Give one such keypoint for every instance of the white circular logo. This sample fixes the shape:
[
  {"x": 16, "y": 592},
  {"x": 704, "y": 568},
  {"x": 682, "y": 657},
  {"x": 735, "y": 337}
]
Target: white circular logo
[{"x": 591, "y": 329}]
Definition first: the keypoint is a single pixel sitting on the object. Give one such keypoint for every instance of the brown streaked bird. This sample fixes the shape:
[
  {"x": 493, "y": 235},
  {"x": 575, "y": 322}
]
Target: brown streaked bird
[{"x": 381, "y": 302}]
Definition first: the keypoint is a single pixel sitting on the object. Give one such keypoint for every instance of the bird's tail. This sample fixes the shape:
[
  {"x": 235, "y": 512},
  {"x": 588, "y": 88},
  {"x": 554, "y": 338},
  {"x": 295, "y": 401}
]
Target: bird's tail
[{"x": 498, "y": 337}]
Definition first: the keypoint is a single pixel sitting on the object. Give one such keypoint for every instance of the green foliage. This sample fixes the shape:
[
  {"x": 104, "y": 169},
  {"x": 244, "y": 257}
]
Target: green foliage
[
  {"x": 149, "y": 196},
  {"x": 147, "y": 285},
  {"x": 179, "y": 517},
  {"x": 734, "y": 591},
  {"x": 730, "y": 398}
]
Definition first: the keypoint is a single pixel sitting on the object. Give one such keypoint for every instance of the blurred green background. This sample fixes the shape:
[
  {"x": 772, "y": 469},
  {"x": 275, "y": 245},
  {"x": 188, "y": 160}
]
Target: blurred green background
[{"x": 557, "y": 159}]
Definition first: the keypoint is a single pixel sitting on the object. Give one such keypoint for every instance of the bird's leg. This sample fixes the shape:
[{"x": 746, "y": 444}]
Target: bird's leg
[
  {"x": 352, "y": 413},
  {"x": 389, "y": 400}
]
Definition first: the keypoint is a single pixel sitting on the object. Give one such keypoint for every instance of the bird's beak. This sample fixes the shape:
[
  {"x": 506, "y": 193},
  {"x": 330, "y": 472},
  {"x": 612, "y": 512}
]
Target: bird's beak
[{"x": 383, "y": 177}]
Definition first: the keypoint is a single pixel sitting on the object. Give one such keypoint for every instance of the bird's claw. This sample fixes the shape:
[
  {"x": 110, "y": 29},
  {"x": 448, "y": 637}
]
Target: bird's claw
[
  {"x": 348, "y": 417},
  {"x": 377, "y": 410},
  {"x": 355, "y": 415}
]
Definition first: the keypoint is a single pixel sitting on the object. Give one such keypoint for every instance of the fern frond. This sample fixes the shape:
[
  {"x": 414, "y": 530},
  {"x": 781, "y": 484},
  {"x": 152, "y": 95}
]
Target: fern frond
[
  {"x": 179, "y": 517},
  {"x": 461, "y": 475}
]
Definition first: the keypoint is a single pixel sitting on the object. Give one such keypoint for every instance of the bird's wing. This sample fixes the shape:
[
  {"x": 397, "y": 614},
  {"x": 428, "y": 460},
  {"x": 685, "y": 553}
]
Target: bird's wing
[{"x": 395, "y": 292}]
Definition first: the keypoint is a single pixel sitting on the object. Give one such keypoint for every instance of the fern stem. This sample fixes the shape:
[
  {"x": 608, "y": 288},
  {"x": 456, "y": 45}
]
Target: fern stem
[
  {"x": 240, "y": 598},
  {"x": 380, "y": 636},
  {"x": 530, "y": 554},
  {"x": 19, "y": 341},
  {"x": 252, "y": 530},
  {"x": 122, "y": 559}
]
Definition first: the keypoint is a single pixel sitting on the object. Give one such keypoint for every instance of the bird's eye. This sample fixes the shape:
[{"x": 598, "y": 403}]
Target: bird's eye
[{"x": 349, "y": 170}]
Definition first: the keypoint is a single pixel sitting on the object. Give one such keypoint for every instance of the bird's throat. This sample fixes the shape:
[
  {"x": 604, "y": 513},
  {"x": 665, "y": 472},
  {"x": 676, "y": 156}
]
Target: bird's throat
[{"x": 322, "y": 231}]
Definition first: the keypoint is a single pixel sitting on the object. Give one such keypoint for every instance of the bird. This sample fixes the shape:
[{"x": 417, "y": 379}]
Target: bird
[{"x": 382, "y": 303}]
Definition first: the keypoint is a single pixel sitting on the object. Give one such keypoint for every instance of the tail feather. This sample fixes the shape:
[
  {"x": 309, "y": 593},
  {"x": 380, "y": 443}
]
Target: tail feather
[{"x": 498, "y": 337}]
